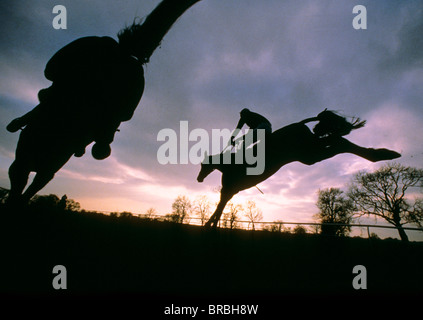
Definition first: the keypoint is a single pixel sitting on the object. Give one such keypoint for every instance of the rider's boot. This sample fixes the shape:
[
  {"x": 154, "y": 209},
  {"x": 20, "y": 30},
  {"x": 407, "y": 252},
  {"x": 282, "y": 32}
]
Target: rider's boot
[{"x": 16, "y": 124}]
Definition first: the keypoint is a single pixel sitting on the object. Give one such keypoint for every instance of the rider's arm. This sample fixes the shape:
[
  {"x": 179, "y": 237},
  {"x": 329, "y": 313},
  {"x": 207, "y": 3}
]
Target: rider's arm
[
  {"x": 309, "y": 120},
  {"x": 35, "y": 112},
  {"x": 241, "y": 122}
]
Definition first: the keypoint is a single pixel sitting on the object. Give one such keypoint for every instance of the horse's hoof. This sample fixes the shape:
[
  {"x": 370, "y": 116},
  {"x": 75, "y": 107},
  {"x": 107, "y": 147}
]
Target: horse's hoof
[
  {"x": 210, "y": 226},
  {"x": 384, "y": 154},
  {"x": 101, "y": 151}
]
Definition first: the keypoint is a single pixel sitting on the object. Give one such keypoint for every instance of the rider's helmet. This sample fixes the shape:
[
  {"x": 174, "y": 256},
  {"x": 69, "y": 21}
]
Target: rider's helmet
[{"x": 244, "y": 112}]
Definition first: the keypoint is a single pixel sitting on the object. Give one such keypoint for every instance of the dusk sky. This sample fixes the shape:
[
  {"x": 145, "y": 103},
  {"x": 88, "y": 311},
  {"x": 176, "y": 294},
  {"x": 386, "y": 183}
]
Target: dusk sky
[{"x": 287, "y": 60}]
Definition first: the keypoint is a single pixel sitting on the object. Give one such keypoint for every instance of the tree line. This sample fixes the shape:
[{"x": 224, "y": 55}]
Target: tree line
[
  {"x": 391, "y": 193},
  {"x": 183, "y": 209},
  {"x": 50, "y": 201}
]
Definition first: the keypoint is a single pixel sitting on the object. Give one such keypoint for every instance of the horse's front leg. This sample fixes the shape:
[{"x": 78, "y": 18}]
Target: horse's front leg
[
  {"x": 18, "y": 175},
  {"x": 46, "y": 174},
  {"x": 225, "y": 196},
  {"x": 40, "y": 181}
]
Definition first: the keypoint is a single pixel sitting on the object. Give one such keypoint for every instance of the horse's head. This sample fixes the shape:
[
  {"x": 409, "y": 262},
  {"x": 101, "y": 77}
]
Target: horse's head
[{"x": 206, "y": 168}]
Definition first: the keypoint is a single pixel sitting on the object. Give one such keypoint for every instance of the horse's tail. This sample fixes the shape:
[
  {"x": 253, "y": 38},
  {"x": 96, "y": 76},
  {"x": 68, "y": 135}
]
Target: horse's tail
[
  {"x": 331, "y": 123},
  {"x": 357, "y": 123}
]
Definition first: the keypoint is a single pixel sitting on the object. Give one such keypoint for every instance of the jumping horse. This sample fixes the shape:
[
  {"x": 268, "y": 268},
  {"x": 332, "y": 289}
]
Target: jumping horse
[{"x": 295, "y": 142}]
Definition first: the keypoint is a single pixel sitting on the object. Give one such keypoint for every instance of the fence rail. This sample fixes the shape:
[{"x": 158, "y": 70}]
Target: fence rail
[
  {"x": 260, "y": 225},
  {"x": 340, "y": 224}
]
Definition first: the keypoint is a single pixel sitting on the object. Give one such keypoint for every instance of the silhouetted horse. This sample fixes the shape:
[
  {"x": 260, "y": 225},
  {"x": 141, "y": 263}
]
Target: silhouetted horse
[
  {"x": 97, "y": 84},
  {"x": 294, "y": 142}
]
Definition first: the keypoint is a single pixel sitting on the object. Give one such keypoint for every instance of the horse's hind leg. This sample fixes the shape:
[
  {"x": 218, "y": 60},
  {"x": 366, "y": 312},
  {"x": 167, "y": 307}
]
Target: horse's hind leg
[
  {"x": 381, "y": 154},
  {"x": 18, "y": 176},
  {"x": 40, "y": 181},
  {"x": 370, "y": 154},
  {"x": 342, "y": 145}
]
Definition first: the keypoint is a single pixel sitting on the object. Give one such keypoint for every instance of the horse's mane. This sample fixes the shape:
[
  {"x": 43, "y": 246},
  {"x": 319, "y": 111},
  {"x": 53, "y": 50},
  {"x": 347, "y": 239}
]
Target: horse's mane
[
  {"x": 143, "y": 36},
  {"x": 333, "y": 124}
]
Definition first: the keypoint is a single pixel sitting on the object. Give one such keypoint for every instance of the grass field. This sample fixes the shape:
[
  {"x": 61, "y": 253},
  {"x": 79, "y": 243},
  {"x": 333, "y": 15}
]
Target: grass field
[{"x": 130, "y": 256}]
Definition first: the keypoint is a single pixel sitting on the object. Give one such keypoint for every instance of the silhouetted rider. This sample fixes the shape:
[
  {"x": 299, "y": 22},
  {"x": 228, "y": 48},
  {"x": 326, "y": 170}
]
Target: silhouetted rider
[
  {"x": 97, "y": 84},
  {"x": 254, "y": 121}
]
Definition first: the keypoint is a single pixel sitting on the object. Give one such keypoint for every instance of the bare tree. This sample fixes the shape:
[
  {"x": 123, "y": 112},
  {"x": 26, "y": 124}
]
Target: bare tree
[
  {"x": 150, "y": 213},
  {"x": 384, "y": 194},
  {"x": 202, "y": 208},
  {"x": 252, "y": 213},
  {"x": 335, "y": 212},
  {"x": 231, "y": 215},
  {"x": 181, "y": 208},
  {"x": 276, "y": 226},
  {"x": 73, "y": 205}
]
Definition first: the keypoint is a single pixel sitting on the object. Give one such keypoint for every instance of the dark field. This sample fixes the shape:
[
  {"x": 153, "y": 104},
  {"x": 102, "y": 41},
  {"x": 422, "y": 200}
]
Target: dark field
[{"x": 131, "y": 257}]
